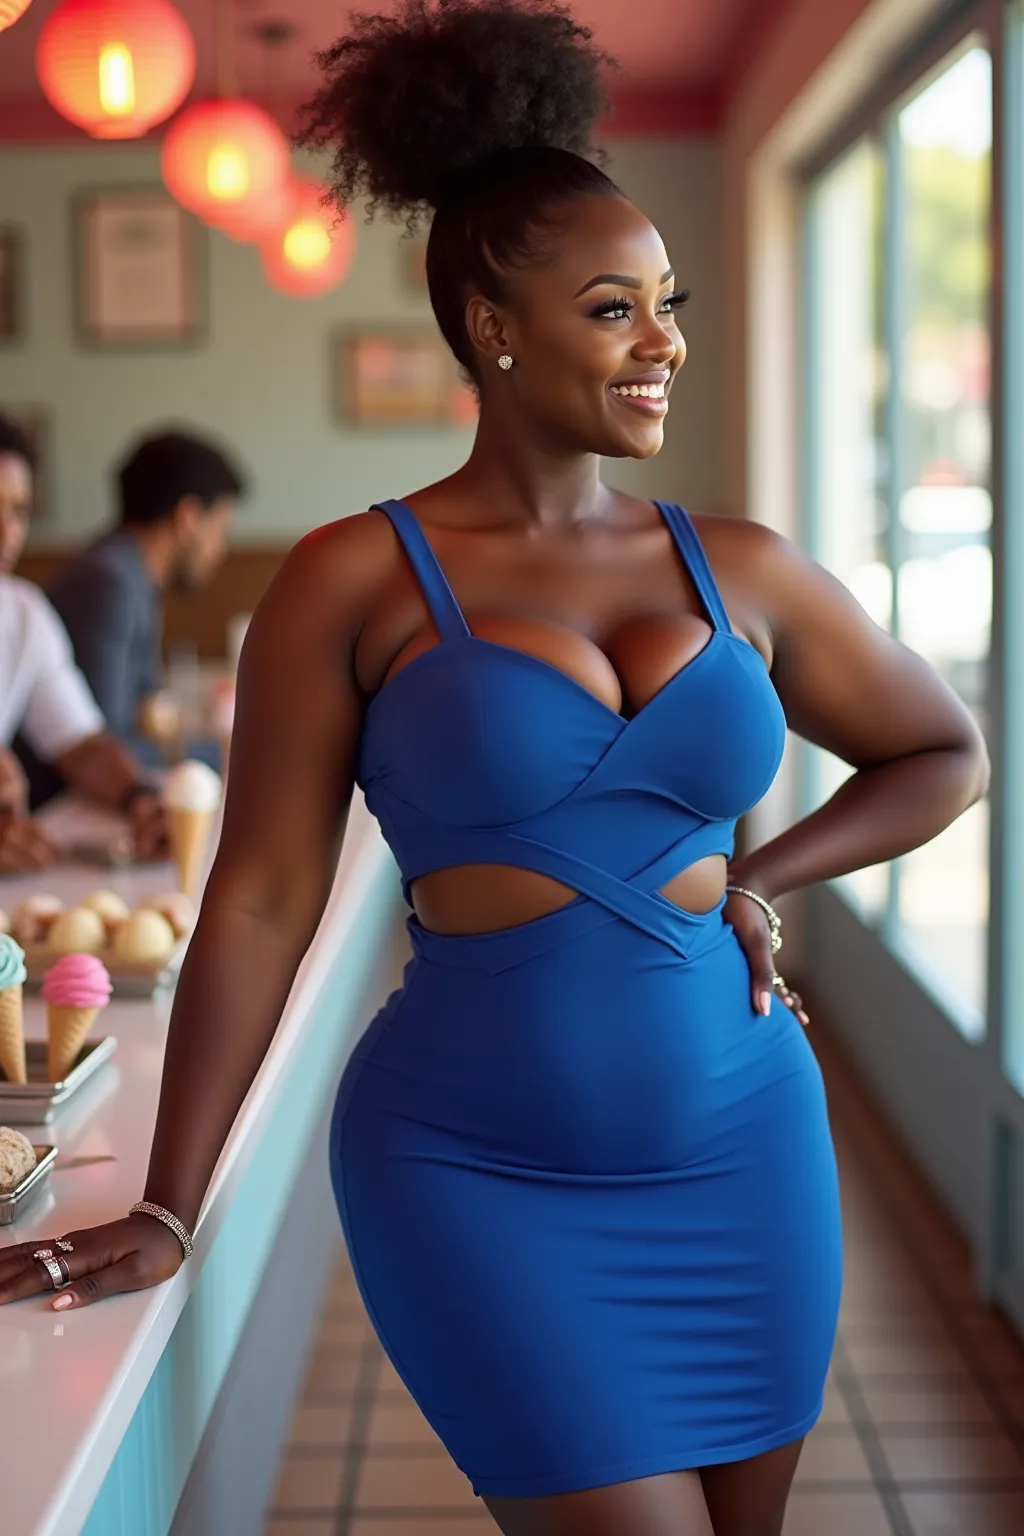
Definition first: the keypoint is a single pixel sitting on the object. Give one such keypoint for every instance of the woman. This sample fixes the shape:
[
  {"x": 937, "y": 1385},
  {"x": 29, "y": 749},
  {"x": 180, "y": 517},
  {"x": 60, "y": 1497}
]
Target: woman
[{"x": 582, "y": 1157}]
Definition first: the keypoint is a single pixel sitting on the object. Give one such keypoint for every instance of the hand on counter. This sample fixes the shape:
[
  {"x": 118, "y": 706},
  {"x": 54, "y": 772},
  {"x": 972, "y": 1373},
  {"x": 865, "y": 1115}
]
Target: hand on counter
[
  {"x": 126, "y": 1255},
  {"x": 149, "y": 827},
  {"x": 13, "y": 785},
  {"x": 24, "y": 845}
]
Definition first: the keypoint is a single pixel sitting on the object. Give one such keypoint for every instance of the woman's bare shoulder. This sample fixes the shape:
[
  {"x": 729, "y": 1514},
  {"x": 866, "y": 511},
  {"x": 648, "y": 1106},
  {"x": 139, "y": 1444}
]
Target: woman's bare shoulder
[{"x": 341, "y": 566}]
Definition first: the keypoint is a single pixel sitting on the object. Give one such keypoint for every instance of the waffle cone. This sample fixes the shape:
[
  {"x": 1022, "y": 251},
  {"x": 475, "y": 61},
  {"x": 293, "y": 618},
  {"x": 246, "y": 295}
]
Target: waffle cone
[
  {"x": 12, "y": 1036},
  {"x": 68, "y": 1028},
  {"x": 189, "y": 835}
]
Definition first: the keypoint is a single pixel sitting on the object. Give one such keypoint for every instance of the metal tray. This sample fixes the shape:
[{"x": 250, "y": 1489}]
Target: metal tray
[
  {"x": 12, "y": 1202},
  {"x": 37, "y": 1101},
  {"x": 127, "y": 980}
]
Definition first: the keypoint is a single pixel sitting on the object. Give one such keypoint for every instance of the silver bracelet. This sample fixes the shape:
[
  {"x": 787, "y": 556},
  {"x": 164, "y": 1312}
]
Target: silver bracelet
[
  {"x": 147, "y": 1208},
  {"x": 774, "y": 920}
]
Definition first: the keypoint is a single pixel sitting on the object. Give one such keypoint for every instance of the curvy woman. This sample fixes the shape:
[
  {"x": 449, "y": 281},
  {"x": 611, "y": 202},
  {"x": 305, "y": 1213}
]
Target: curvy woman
[{"x": 582, "y": 1157}]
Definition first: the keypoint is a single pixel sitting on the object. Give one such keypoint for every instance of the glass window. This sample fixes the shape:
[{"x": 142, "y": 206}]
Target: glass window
[
  {"x": 898, "y": 444},
  {"x": 850, "y": 516},
  {"x": 944, "y": 584}
]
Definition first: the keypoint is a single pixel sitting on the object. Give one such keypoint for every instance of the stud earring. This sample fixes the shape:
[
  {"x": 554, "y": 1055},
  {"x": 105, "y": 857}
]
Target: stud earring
[{"x": 505, "y": 361}]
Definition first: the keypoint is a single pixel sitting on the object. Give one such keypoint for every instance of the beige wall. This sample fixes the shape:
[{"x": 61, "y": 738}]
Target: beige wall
[{"x": 262, "y": 377}]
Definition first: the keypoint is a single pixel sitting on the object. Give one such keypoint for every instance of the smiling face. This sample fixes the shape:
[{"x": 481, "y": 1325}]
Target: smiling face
[{"x": 592, "y": 334}]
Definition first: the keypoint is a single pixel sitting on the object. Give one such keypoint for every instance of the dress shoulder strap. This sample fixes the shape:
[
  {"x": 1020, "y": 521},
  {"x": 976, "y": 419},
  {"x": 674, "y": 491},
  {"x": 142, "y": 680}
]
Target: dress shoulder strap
[
  {"x": 444, "y": 610},
  {"x": 696, "y": 561}
]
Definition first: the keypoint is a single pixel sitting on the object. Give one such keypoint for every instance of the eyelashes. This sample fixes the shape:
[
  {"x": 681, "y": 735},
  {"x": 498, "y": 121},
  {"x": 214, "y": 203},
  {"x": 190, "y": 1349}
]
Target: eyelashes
[{"x": 620, "y": 307}]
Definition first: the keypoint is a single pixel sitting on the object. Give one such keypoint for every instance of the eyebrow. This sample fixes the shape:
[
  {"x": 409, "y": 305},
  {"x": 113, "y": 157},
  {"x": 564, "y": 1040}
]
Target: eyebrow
[{"x": 621, "y": 279}]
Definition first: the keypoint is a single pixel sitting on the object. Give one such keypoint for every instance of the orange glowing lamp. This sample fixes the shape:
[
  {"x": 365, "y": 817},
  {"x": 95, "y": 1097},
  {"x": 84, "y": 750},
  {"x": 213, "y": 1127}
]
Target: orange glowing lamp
[
  {"x": 10, "y": 10},
  {"x": 115, "y": 67},
  {"x": 312, "y": 250},
  {"x": 224, "y": 160}
]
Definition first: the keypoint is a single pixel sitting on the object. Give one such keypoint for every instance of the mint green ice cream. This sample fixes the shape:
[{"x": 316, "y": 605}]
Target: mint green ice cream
[{"x": 12, "y": 963}]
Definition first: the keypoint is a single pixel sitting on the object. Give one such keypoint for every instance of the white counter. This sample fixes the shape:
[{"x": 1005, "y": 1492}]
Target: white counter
[{"x": 70, "y": 1386}]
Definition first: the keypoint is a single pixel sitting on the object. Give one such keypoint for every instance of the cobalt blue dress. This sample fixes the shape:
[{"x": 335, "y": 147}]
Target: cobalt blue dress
[{"x": 589, "y": 1195}]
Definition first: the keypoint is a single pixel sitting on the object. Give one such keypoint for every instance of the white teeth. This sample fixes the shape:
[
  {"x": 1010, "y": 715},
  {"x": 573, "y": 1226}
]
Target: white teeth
[{"x": 643, "y": 391}]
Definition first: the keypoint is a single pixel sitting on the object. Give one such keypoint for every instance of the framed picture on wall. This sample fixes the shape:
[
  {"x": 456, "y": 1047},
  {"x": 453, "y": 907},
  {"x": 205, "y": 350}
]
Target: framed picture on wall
[
  {"x": 12, "y": 270},
  {"x": 137, "y": 269},
  {"x": 34, "y": 421},
  {"x": 399, "y": 378}
]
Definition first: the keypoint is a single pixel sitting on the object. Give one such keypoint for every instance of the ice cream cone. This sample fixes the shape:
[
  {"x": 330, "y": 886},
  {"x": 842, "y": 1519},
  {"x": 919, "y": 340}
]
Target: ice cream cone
[
  {"x": 189, "y": 834},
  {"x": 68, "y": 1028},
  {"x": 12, "y": 1036}
]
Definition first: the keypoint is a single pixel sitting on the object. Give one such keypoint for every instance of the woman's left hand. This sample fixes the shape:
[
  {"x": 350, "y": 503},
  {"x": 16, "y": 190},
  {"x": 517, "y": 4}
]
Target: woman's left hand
[{"x": 751, "y": 928}]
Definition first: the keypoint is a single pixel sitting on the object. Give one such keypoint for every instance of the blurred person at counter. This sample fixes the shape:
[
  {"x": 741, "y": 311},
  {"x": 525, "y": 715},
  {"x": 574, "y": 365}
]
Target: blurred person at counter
[
  {"x": 45, "y": 698},
  {"x": 177, "y": 494}
]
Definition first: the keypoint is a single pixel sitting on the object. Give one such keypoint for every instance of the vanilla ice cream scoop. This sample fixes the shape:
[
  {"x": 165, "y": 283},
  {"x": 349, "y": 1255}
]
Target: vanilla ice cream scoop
[
  {"x": 192, "y": 786},
  {"x": 17, "y": 1158}
]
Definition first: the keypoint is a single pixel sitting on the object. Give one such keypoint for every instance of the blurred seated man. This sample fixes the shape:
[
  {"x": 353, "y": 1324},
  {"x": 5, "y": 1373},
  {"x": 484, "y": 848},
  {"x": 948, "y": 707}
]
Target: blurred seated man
[
  {"x": 44, "y": 696},
  {"x": 176, "y": 493}
]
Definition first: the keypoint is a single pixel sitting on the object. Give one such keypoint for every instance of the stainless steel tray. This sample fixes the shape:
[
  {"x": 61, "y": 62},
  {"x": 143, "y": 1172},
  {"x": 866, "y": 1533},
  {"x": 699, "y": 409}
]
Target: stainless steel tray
[
  {"x": 12, "y": 1202},
  {"x": 37, "y": 1101},
  {"x": 127, "y": 980}
]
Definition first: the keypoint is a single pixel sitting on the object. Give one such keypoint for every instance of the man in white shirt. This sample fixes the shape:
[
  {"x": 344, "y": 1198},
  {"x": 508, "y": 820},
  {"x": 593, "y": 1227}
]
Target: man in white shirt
[{"x": 45, "y": 697}]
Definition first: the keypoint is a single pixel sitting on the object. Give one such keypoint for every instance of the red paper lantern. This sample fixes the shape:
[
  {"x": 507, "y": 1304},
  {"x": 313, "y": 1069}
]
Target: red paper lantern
[
  {"x": 312, "y": 251},
  {"x": 115, "y": 67},
  {"x": 224, "y": 159},
  {"x": 10, "y": 10},
  {"x": 259, "y": 221}
]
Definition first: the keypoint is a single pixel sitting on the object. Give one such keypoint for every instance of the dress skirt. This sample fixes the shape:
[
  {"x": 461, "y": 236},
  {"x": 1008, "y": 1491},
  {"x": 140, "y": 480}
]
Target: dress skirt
[{"x": 591, "y": 1203}]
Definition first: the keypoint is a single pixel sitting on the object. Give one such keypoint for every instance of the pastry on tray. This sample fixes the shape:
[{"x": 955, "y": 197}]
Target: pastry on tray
[
  {"x": 110, "y": 908},
  {"x": 74, "y": 991},
  {"x": 33, "y": 918},
  {"x": 146, "y": 939},
  {"x": 78, "y": 931},
  {"x": 17, "y": 1158},
  {"x": 177, "y": 908}
]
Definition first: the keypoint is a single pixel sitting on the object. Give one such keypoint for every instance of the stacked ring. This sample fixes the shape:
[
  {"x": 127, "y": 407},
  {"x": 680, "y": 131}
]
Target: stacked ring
[{"x": 57, "y": 1269}]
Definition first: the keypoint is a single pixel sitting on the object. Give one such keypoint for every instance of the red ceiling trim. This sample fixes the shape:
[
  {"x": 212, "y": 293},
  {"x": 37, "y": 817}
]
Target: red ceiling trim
[
  {"x": 753, "y": 38},
  {"x": 678, "y": 113}
]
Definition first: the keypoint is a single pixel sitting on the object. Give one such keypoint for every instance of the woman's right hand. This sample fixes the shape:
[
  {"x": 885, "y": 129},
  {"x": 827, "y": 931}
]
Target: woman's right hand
[{"x": 126, "y": 1255}]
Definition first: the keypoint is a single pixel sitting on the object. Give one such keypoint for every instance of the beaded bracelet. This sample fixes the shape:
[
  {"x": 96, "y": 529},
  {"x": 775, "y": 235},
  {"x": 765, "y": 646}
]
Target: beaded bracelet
[
  {"x": 774, "y": 920},
  {"x": 147, "y": 1208}
]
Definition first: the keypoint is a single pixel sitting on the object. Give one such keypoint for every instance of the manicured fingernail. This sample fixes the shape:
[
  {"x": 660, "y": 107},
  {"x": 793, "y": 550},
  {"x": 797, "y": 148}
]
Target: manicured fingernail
[
  {"x": 62, "y": 1302},
  {"x": 803, "y": 1017},
  {"x": 766, "y": 1003}
]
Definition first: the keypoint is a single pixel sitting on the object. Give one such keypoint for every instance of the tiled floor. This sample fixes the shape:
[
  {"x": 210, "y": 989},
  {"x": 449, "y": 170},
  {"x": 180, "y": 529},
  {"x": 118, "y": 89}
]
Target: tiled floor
[{"x": 923, "y": 1430}]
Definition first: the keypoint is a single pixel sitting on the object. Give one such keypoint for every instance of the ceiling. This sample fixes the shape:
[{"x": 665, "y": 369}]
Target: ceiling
[{"x": 680, "y": 58}]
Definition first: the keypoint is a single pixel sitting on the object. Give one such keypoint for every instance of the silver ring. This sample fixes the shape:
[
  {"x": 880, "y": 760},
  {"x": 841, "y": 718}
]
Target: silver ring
[
  {"x": 65, "y": 1246},
  {"x": 65, "y": 1271},
  {"x": 52, "y": 1268},
  {"x": 779, "y": 981}
]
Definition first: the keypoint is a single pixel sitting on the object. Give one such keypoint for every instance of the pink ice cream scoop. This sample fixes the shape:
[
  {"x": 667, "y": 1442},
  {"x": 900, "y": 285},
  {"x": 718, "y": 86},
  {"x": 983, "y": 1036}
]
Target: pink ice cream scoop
[{"x": 77, "y": 981}]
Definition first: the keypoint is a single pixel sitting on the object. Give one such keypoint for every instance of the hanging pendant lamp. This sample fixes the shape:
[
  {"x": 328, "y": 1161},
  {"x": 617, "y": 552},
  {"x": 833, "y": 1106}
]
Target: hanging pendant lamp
[
  {"x": 226, "y": 159},
  {"x": 223, "y": 158},
  {"x": 312, "y": 251},
  {"x": 10, "y": 10},
  {"x": 115, "y": 67}
]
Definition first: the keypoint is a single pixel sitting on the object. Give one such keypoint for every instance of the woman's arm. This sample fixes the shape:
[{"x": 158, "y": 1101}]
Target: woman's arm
[
  {"x": 292, "y": 766},
  {"x": 918, "y": 755},
  {"x": 845, "y": 685}
]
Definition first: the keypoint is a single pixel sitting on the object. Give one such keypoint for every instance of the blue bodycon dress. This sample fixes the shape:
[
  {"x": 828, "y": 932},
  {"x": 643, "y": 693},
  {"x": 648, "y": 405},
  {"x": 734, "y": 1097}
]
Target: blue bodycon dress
[{"x": 589, "y": 1194}]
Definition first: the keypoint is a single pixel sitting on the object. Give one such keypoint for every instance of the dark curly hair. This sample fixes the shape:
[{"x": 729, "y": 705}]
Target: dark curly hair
[{"x": 480, "y": 111}]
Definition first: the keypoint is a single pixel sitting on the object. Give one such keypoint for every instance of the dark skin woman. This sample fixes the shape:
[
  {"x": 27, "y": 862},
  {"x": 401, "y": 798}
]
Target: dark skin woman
[{"x": 546, "y": 560}]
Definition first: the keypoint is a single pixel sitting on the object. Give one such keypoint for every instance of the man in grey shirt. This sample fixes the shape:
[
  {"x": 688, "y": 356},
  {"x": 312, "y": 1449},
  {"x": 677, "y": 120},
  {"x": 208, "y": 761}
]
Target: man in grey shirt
[{"x": 177, "y": 493}]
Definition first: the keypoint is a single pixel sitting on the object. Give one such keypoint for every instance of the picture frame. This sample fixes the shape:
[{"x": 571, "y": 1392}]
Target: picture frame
[
  {"x": 138, "y": 282},
  {"x": 35, "y": 421},
  {"x": 12, "y": 278},
  {"x": 399, "y": 378}
]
